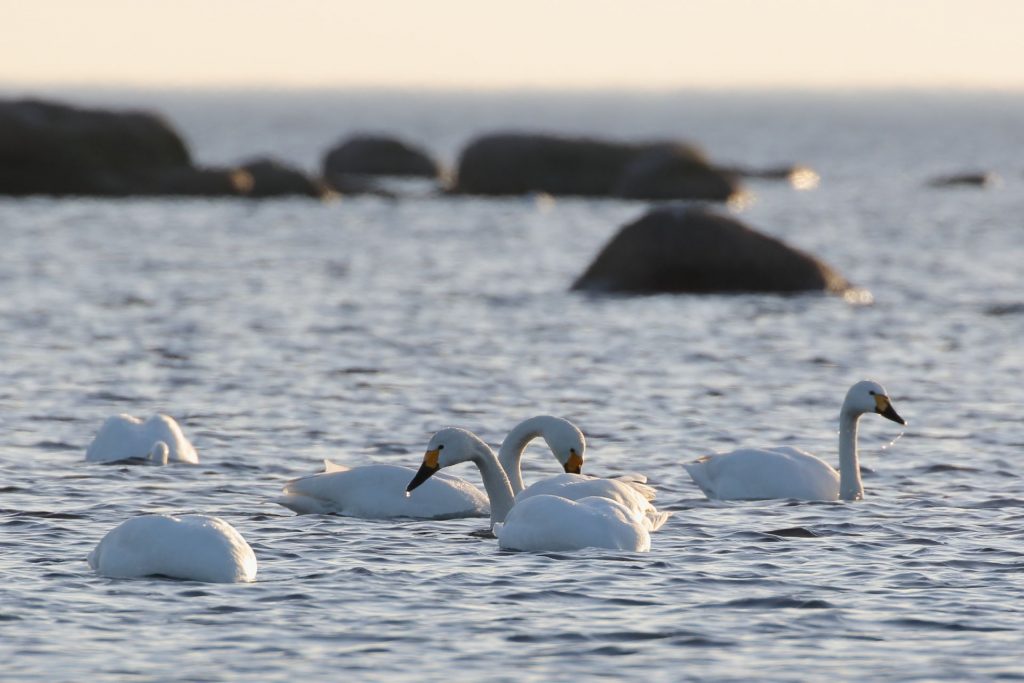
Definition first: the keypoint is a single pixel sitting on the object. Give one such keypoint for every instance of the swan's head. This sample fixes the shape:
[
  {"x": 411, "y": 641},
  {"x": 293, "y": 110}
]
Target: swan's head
[
  {"x": 448, "y": 447},
  {"x": 567, "y": 443},
  {"x": 870, "y": 397}
]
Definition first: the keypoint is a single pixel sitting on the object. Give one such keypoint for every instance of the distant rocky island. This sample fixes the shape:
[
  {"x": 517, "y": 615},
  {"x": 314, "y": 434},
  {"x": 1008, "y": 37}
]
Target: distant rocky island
[{"x": 57, "y": 149}]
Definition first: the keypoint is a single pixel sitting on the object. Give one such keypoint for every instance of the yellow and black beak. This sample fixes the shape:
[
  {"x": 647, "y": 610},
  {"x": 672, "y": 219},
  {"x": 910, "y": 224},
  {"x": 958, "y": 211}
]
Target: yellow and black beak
[
  {"x": 883, "y": 406},
  {"x": 574, "y": 465},
  {"x": 426, "y": 470}
]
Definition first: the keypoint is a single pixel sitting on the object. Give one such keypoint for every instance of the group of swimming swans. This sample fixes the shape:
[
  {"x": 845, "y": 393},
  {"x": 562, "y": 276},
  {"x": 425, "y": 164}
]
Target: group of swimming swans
[{"x": 566, "y": 511}]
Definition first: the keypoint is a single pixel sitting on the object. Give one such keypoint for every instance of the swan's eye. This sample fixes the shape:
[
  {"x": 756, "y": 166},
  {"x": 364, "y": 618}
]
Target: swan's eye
[
  {"x": 871, "y": 392},
  {"x": 441, "y": 447}
]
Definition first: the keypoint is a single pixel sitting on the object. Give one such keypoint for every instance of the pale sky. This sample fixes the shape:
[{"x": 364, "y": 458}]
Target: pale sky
[{"x": 587, "y": 44}]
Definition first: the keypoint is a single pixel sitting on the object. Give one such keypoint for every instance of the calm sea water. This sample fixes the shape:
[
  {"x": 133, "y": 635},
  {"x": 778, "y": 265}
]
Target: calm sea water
[{"x": 284, "y": 332}]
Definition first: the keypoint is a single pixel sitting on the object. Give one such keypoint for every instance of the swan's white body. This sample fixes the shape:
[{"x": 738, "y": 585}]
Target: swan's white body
[
  {"x": 787, "y": 472},
  {"x": 546, "y": 522},
  {"x": 552, "y": 523},
  {"x": 191, "y": 547},
  {"x": 158, "y": 439},
  {"x": 378, "y": 491},
  {"x": 629, "y": 491}
]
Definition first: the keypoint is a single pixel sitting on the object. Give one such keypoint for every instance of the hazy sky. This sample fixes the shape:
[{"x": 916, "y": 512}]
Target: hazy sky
[{"x": 531, "y": 43}]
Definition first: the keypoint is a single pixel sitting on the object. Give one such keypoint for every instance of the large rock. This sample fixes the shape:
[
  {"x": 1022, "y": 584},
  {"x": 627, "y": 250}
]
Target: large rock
[
  {"x": 680, "y": 250},
  {"x": 48, "y": 148},
  {"x": 517, "y": 163},
  {"x": 371, "y": 155},
  {"x": 271, "y": 178}
]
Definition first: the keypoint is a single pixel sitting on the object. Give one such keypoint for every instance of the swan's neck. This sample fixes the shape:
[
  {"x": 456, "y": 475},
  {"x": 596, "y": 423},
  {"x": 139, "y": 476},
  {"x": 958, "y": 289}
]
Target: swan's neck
[
  {"x": 850, "y": 485},
  {"x": 511, "y": 454},
  {"x": 496, "y": 483},
  {"x": 159, "y": 454}
]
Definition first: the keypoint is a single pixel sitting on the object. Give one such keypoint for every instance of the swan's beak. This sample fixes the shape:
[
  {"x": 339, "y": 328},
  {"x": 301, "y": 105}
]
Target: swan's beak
[
  {"x": 426, "y": 470},
  {"x": 883, "y": 406},
  {"x": 574, "y": 465}
]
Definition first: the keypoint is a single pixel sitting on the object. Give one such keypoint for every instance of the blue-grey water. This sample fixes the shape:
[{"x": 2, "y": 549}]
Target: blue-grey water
[{"x": 283, "y": 332}]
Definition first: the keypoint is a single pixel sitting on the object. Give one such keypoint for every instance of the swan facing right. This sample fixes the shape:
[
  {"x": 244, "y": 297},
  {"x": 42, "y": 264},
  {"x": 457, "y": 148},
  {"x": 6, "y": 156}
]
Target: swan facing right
[{"x": 787, "y": 472}]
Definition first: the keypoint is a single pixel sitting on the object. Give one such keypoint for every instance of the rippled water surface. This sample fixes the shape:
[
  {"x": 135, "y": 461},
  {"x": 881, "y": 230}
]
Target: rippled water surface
[{"x": 284, "y": 332}]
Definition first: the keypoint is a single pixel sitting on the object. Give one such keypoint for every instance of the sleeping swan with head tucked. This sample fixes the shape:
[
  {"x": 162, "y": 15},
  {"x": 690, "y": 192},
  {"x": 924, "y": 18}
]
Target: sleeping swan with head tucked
[
  {"x": 158, "y": 440},
  {"x": 190, "y": 547}
]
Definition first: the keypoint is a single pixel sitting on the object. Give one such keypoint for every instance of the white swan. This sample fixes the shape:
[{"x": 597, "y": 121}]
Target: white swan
[
  {"x": 786, "y": 472},
  {"x": 158, "y": 440},
  {"x": 552, "y": 523},
  {"x": 547, "y": 522},
  {"x": 191, "y": 547},
  {"x": 629, "y": 490},
  {"x": 378, "y": 491}
]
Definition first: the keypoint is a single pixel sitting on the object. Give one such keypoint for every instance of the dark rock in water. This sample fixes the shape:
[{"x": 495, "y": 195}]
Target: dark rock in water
[
  {"x": 972, "y": 179},
  {"x": 519, "y": 163},
  {"x": 673, "y": 172},
  {"x": 56, "y": 149},
  {"x": 369, "y": 155},
  {"x": 514, "y": 163},
  {"x": 271, "y": 178},
  {"x": 49, "y": 148},
  {"x": 188, "y": 181},
  {"x": 694, "y": 250}
]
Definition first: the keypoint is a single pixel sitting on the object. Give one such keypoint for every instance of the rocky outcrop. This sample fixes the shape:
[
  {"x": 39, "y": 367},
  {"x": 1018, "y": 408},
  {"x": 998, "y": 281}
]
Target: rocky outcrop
[
  {"x": 55, "y": 149},
  {"x": 516, "y": 163},
  {"x": 271, "y": 178},
  {"x": 370, "y": 155},
  {"x": 48, "y": 148},
  {"x": 693, "y": 250}
]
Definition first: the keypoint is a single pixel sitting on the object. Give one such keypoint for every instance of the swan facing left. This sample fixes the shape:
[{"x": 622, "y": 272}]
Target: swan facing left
[
  {"x": 158, "y": 440},
  {"x": 379, "y": 491},
  {"x": 190, "y": 547}
]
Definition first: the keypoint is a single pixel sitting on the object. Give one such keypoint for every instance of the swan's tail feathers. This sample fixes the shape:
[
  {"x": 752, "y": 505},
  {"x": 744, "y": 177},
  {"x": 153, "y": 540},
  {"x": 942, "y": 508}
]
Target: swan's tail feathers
[
  {"x": 303, "y": 505},
  {"x": 645, "y": 490},
  {"x": 632, "y": 477},
  {"x": 656, "y": 519},
  {"x": 334, "y": 467}
]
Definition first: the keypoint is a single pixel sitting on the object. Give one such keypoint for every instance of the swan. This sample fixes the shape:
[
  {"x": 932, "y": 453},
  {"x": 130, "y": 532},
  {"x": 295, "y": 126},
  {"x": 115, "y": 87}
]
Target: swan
[
  {"x": 158, "y": 440},
  {"x": 546, "y": 522},
  {"x": 191, "y": 547},
  {"x": 787, "y": 472},
  {"x": 378, "y": 491},
  {"x": 629, "y": 490},
  {"x": 552, "y": 523}
]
